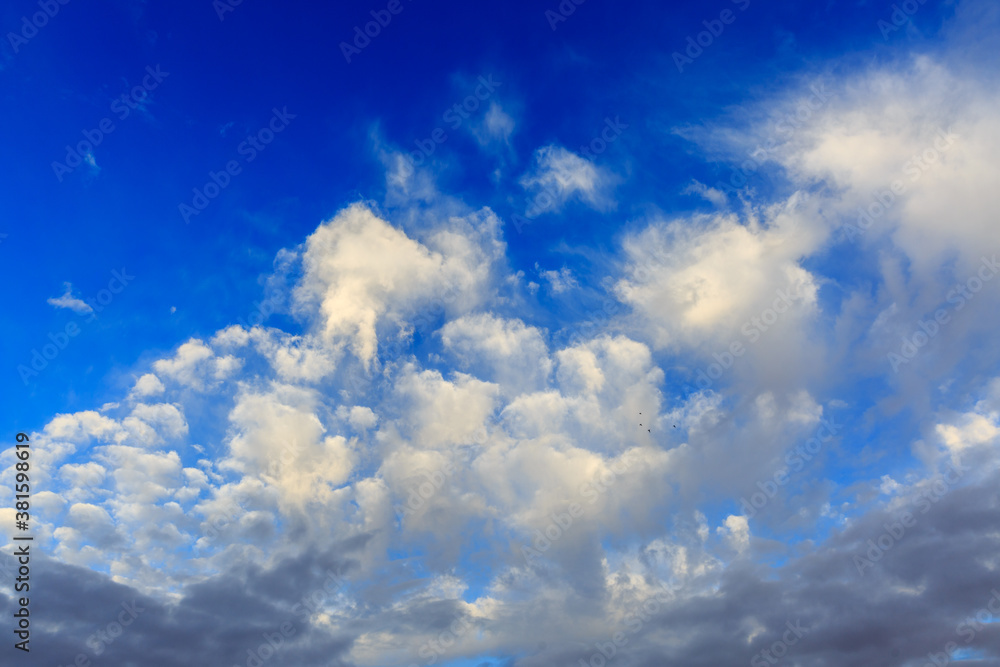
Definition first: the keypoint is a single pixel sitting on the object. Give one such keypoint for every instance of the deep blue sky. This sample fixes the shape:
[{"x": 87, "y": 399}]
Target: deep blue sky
[
  {"x": 605, "y": 60},
  {"x": 168, "y": 403}
]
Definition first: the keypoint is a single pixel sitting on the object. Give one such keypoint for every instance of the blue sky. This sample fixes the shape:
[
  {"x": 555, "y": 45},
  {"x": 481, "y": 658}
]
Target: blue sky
[{"x": 253, "y": 278}]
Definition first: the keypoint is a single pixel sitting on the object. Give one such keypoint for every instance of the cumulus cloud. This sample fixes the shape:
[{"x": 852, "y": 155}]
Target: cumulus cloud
[
  {"x": 365, "y": 275},
  {"x": 423, "y": 437},
  {"x": 147, "y": 385},
  {"x": 196, "y": 366}
]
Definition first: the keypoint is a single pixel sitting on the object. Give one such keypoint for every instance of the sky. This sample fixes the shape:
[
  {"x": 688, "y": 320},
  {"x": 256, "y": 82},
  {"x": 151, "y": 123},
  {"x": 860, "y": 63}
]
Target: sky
[{"x": 502, "y": 335}]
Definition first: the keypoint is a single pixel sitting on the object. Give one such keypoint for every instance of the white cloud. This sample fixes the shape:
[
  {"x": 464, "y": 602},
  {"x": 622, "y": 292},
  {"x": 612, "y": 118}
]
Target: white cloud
[
  {"x": 717, "y": 197},
  {"x": 196, "y": 366},
  {"x": 167, "y": 417},
  {"x": 736, "y": 529},
  {"x": 701, "y": 279},
  {"x": 147, "y": 385},
  {"x": 67, "y": 300},
  {"x": 560, "y": 174},
  {"x": 559, "y": 281},
  {"x": 278, "y": 434},
  {"x": 364, "y": 274},
  {"x": 507, "y": 352},
  {"x": 497, "y": 126}
]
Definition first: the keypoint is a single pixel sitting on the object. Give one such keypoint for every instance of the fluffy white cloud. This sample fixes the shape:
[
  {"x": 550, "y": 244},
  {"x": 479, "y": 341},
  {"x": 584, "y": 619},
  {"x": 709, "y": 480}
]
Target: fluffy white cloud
[
  {"x": 507, "y": 352},
  {"x": 196, "y": 366},
  {"x": 147, "y": 385},
  {"x": 362, "y": 274}
]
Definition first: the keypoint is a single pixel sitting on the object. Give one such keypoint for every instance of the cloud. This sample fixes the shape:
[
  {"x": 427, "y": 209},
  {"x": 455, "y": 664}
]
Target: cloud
[
  {"x": 560, "y": 175},
  {"x": 559, "y": 281},
  {"x": 147, "y": 385},
  {"x": 419, "y": 375},
  {"x": 196, "y": 366},
  {"x": 365, "y": 275},
  {"x": 496, "y": 127},
  {"x": 717, "y": 197},
  {"x": 67, "y": 300}
]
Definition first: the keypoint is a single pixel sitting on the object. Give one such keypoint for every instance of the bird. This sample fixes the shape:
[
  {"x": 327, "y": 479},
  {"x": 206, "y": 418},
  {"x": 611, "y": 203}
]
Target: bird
[
  {"x": 648, "y": 431},
  {"x": 675, "y": 425}
]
